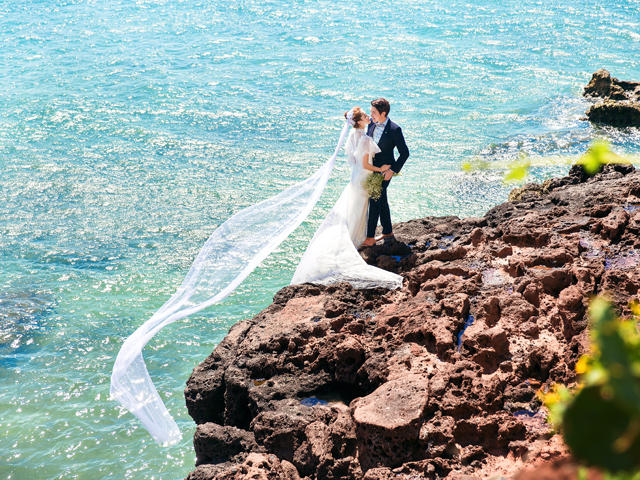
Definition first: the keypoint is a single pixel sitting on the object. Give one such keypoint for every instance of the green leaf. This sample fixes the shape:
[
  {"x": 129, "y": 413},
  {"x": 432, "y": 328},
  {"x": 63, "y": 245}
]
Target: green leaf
[
  {"x": 598, "y": 154},
  {"x": 592, "y": 423},
  {"x": 615, "y": 353},
  {"x": 518, "y": 170}
]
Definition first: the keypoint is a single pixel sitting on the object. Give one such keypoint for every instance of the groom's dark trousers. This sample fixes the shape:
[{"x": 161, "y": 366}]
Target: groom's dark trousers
[{"x": 391, "y": 138}]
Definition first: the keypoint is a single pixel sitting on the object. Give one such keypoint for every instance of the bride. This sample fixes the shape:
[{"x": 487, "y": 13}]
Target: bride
[{"x": 332, "y": 255}]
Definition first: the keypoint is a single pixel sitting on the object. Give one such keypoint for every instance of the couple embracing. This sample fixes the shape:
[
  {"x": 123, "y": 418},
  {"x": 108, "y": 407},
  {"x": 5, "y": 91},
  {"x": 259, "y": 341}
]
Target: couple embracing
[{"x": 332, "y": 255}]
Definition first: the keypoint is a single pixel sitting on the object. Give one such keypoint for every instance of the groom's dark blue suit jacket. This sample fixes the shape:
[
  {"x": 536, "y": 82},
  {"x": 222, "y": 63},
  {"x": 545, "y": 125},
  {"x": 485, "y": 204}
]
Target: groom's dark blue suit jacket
[{"x": 391, "y": 138}]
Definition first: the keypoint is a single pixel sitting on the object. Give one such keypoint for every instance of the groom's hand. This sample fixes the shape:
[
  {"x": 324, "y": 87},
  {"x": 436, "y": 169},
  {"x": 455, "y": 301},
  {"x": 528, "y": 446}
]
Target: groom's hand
[{"x": 388, "y": 174}]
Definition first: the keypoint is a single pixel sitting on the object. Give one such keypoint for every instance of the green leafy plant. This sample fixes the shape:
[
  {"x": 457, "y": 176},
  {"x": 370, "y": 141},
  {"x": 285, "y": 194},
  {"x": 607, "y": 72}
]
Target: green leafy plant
[
  {"x": 598, "y": 154},
  {"x": 600, "y": 418}
]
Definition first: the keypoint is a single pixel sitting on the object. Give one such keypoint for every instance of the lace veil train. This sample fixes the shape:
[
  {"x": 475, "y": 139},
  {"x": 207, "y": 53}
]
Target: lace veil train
[{"x": 230, "y": 254}]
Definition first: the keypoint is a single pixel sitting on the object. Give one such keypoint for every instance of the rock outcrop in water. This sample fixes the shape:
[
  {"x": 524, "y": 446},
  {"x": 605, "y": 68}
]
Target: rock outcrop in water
[
  {"x": 621, "y": 100},
  {"x": 438, "y": 379}
]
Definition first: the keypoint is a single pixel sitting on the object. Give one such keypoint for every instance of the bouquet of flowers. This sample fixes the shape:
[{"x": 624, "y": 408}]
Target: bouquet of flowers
[{"x": 373, "y": 185}]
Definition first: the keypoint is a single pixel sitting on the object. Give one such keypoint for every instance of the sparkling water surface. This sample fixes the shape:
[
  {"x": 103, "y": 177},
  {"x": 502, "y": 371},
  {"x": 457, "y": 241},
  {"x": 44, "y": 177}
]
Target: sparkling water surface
[{"x": 130, "y": 130}]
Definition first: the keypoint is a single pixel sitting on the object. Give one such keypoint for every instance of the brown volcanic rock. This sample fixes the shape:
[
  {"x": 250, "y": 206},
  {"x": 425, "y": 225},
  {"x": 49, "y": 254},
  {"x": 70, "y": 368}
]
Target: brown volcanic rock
[
  {"x": 615, "y": 113},
  {"x": 256, "y": 466},
  {"x": 215, "y": 443},
  {"x": 437, "y": 379},
  {"x": 603, "y": 85},
  {"x": 621, "y": 100},
  {"x": 388, "y": 421}
]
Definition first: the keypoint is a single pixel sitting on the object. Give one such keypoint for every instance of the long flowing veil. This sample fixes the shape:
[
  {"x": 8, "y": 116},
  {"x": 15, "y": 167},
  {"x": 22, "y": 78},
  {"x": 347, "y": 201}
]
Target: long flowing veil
[{"x": 230, "y": 254}]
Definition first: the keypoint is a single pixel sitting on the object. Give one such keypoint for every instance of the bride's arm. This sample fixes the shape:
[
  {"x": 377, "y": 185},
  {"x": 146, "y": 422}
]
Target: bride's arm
[{"x": 367, "y": 166}]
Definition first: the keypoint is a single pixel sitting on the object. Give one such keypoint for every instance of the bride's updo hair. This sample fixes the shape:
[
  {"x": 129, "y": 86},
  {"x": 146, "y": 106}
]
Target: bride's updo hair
[{"x": 358, "y": 115}]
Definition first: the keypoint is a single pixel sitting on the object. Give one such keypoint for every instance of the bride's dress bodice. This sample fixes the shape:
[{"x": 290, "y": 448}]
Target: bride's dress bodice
[{"x": 358, "y": 145}]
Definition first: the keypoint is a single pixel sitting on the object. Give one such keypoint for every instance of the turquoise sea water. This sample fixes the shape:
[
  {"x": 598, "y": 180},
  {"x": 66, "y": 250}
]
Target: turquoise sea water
[{"x": 130, "y": 130}]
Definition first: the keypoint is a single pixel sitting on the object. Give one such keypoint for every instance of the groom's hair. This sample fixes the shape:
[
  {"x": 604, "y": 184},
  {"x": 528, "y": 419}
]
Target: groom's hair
[{"x": 382, "y": 105}]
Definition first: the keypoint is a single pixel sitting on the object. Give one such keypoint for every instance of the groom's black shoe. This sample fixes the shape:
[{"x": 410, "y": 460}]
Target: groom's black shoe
[{"x": 387, "y": 237}]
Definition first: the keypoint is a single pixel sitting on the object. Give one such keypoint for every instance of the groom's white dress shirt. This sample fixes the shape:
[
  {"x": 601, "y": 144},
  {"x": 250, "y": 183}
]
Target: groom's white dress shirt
[{"x": 377, "y": 131}]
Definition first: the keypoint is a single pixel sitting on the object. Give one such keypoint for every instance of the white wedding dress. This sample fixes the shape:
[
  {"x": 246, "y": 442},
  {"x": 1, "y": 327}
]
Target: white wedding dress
[{"x": 332, "y": 255}]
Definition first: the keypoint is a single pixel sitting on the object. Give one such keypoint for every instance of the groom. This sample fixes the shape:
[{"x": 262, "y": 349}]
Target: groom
[{"x": 388, "y": 136}]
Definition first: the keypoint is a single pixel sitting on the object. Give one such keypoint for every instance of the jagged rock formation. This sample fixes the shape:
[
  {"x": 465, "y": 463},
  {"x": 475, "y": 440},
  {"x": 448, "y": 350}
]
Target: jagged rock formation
[
  {"x": 438, "y": 379},
  {"x": 621, "y": 100}
]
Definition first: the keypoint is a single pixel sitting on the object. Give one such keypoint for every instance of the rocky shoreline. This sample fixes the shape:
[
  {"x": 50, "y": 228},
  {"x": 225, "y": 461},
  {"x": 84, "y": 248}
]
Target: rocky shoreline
[
  {"x": 438, "y": 379},
  {"x": 618, "y": 101}
]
